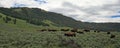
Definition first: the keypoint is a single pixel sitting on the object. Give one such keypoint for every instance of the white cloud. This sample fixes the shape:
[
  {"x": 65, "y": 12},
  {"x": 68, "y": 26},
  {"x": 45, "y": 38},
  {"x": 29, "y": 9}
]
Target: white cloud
[
  {"x": 6, "y": 3},
  {"x": 84, "y": 10}
]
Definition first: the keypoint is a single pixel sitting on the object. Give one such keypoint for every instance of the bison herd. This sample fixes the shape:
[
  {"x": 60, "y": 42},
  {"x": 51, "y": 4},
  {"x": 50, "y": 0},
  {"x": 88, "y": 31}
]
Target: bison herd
[{"x": 72, "y": 32}]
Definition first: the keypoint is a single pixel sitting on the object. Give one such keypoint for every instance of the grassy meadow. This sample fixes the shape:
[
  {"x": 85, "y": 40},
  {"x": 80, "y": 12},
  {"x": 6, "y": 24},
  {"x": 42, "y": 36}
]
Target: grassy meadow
[{"x": 25, "y": 39}]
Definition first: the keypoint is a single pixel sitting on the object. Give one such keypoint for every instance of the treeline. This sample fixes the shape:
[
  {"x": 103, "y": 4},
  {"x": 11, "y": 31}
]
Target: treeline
[{"x": 37, "y": 16}]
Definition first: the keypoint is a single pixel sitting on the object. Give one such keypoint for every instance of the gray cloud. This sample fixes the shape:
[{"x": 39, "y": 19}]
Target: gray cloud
[
  {"x": 93, "y": 9},
  {"x": 70, "y": 5},
  {"x": 0, "y": 5},
  {"x": 61, "y": 10},
  {"x": 119, "y": 12},
  {"x": 85, "y": 10},
  {"x": 90, "y": 12}
]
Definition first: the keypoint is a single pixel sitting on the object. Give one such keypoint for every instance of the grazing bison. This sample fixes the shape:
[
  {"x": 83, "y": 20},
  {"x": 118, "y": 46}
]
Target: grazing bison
[
  {"x": 86, "y": 30},
  {"x": 108, "y": 32},
  {"x": 64, "y": 29},
  {"x": 80, "y": 32},
  {"x": 112, "y": 36},
  {"x": 74, "y": 30},
  {"x": 96, "y": 31},
  {"x": 70, "y": 34}
]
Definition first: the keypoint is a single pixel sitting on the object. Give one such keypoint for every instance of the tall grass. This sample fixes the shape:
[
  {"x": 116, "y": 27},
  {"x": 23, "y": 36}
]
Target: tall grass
[{"x": 57, "y": 40}]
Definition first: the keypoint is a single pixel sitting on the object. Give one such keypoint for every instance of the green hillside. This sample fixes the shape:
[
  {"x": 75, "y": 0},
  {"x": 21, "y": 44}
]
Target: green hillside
[
  {"x": 38, "y": 16},
  {"x": 10, "y": 26},
  {"x": 22, "y": 25},
  {"x": 24, "y": 34}
]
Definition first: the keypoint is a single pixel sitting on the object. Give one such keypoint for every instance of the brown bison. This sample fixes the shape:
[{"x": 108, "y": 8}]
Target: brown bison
[
  {"x": 80, "y": 32},
  {"x": 112, "y": 36},
  {"x": 74, "y": 30},
  {"x": 64, "y": 29},
  {"x": 86, "y": 30},
  {"x": 96, "y": 31},
  {"x": 43, "y": 30},
  {"x": 108, "y": 32},
  {"x": 70, "y": 34}
]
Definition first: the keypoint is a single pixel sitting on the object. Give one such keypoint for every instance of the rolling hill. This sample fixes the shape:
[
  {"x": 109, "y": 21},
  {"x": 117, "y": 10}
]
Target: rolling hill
[
  {"x": 26, "y": 32},
  {"x": 41, "y": 17}
]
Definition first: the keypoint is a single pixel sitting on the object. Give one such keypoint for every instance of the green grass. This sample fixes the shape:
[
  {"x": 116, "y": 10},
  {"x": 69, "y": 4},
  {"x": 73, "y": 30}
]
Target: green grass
[
  {"x": 22, "y": 25},
  {"x": 24, "y": 35},
  {"x": 57, "y": 40}
]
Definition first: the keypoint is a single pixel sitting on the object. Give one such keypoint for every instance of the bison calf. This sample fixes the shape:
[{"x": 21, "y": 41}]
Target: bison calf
[
  {"x": 70, "y": 34},
  {"x": 86, "y": 30},
  {"x": 80, "y": 32}
]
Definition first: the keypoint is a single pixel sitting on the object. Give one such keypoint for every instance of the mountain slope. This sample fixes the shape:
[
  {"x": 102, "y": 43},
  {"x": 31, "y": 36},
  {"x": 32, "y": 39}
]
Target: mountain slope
[
  {"x": 21, "y": 25},
  {"x": 34, "y": 14},
  {"x": 38, "y": 16}
]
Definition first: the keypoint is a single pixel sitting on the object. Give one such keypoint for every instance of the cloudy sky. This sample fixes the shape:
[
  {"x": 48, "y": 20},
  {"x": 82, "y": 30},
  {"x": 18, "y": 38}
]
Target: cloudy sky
[{"x": 83, "y": 10}]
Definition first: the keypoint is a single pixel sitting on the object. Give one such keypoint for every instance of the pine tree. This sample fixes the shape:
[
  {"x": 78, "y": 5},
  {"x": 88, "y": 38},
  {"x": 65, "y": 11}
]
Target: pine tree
[
  {"x": 6, "y": 19},
  {"x": 0, "y": 16},
  {"x": 14, "y": 21}
]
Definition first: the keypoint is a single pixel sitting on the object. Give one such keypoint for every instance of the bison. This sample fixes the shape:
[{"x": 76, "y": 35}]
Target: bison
[
  {"x": 52, "y": 30},
  {"x": 86, "y": 30},
  {"x": 43, "y": 30},
  {"x": 64, "y": 29},
  {"x": 80, "y": 32},
  {"x": 112, "y": 36},
  {"x": 96, "y": 31},
  {"x": 72, "y": 34},
  {"x": 108, "y": 32}
]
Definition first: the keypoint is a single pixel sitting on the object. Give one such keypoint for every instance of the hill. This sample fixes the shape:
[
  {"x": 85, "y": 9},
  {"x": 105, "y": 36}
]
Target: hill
[
  {"x": 24, "y": 34},
  {"x": 41, "y": 17},
  {"x": 36, "y": 16}
]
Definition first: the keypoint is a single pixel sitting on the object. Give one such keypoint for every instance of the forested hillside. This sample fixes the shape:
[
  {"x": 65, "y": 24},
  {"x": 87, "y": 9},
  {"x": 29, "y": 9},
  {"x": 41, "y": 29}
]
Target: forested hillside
[
  {"x": 41, "y": 17},
  {"x": 36, "y": 16}
]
